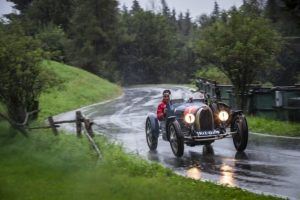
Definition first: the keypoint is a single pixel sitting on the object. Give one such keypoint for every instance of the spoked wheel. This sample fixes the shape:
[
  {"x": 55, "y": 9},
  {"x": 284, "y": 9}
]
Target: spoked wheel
[
  {"x": 151, "y": 139},
  {"x": 176, "y": 139},
  {"x": 240, "y": 139}
]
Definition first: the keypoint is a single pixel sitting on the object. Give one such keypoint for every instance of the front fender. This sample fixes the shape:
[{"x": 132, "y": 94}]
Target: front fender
[
  {"x": 237, "y": 114},
  {"x": 154, "y": 124}
]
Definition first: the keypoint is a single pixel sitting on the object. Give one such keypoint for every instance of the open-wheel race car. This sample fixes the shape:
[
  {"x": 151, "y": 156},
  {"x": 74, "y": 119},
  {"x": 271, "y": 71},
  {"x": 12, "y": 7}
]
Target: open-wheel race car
[{"x": 197, "y": 121}]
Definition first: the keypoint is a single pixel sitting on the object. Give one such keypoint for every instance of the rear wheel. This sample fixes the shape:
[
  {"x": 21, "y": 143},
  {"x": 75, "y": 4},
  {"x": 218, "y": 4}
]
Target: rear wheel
[
  {"x": 176, "y": 139},
  {"x": 240, "y": 139},
  {"x": 151, "y": 139}
]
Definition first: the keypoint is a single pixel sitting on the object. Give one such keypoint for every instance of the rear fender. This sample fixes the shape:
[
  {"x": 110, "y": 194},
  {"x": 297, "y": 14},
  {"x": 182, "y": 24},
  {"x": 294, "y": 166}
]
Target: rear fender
[{"x": 154, "y": 124}]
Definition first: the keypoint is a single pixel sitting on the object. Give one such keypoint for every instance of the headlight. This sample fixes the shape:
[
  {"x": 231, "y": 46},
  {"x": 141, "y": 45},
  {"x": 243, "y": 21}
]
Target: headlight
[
  {"x": 223, "y": 115},
  {"x": 189, "y": 118}
]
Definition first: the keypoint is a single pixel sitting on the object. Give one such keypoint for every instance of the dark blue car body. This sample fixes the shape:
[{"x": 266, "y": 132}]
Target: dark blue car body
[{"x": 205, "y": 129}]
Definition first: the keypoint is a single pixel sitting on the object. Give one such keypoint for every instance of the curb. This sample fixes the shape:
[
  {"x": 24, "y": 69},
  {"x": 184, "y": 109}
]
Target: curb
[{"x": 275, "y": 136}]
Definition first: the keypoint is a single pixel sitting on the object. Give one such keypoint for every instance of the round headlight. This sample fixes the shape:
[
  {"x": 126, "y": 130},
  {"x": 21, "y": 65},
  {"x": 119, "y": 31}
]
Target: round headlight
[
  {"x": 223, "y": 115},
  {"x": 189, "y": 118}
]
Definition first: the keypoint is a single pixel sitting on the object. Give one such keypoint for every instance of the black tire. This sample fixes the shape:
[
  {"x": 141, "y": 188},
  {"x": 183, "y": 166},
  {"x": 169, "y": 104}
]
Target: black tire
[
  {"x": 240, "y": 139},
  {"x": 151, "y": 139},
  {"x": 176, "y": 138}
]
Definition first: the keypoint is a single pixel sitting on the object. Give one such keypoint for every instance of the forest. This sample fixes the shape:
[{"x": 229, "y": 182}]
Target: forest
[
  {"x": 134, "y": 46},
  {"x": 257, "y": 42}
]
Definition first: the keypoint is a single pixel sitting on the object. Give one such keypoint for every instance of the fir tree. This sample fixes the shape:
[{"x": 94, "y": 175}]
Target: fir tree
[
  {"x": 135, "y": 7},
  {"x": 216, "y": 12},
  {"x": 165, "y": 9}
]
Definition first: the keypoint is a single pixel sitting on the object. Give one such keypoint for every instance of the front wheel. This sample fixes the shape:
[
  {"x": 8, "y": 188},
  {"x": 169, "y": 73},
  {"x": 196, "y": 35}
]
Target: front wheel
[
  {"x": 176, "y": 139},
  {"x": 151, "y": 139},
  {"x": 240, "y": 139}
]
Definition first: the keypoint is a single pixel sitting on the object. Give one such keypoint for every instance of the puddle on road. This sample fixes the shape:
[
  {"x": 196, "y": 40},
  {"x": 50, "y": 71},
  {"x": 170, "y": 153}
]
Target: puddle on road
[
  {"x": 194, "y": 173},
  {"x": 227, "y": 176}
]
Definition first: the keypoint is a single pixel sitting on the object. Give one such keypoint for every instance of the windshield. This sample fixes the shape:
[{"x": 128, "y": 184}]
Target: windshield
[{"x": 177, "y": 94}]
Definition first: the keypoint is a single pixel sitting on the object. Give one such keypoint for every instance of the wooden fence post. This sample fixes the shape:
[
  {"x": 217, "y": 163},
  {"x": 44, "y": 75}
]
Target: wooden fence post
[
  {"x": 78, "y": 123},
  {"x": 53, "y": 127},
  {"x": 94, "y": 145},
  {"x": 88, "y": 127}
]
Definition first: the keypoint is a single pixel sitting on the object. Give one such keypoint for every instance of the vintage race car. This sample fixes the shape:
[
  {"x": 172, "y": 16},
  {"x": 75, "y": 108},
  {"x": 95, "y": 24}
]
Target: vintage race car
[{"x": 197, "y": 121}]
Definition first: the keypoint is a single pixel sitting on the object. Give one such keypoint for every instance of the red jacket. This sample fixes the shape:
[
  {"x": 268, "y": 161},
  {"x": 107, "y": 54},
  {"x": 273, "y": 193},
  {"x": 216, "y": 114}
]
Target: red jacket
[{"x": 160, "y": 111}]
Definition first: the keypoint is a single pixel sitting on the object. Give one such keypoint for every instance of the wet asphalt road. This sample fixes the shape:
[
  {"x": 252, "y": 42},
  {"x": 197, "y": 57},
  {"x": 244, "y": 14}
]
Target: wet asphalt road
[{"x": 270, "y": 165}]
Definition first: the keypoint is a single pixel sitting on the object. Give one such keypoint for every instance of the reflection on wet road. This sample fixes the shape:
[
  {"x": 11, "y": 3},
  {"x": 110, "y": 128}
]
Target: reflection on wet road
[{"x": 268, "y": 165}]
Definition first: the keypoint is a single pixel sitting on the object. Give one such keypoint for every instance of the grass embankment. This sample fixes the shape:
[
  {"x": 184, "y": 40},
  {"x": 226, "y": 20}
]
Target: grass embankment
[
  {"x": 273, "y": 127},
  {"x": 80, "y": 88},
  {"x": 65, "y": 167}
]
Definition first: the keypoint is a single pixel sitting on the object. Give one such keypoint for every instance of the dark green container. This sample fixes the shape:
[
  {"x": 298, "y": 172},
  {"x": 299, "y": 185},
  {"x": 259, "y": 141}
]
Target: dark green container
[{"x": 294, "y": 109}]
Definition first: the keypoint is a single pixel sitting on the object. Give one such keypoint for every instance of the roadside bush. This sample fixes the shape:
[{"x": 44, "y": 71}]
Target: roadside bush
[
  {"x": 212, "y": 73},
  {"x": 22, "y": 75},
  {"x": 52, "y": 39}
]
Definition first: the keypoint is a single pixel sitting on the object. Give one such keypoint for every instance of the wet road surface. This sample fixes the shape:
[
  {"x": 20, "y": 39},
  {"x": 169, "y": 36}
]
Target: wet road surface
[{"x": 270, "y": 165}]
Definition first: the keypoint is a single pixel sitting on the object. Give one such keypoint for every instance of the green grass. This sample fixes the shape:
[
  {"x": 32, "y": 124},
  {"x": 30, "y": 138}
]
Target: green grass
[
  {"x": 2, "y": 108},
  {"x": 213, "y": 73},
  {"x": 273, "y": 127},
  {"x": 79, "y": 89},
  {"x": 65, "y": 167}
]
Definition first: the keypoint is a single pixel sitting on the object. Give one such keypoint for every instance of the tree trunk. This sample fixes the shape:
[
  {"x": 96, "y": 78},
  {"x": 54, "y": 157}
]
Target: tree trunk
[
  {"x": 241, "y": 99},
  {"x": 16, "y": 113},
  {"x": 33, "y": 106}
]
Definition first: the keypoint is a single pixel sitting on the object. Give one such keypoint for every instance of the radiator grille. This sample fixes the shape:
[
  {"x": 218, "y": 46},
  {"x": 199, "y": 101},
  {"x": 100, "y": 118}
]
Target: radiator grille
[{"x": 206, "y": 120}]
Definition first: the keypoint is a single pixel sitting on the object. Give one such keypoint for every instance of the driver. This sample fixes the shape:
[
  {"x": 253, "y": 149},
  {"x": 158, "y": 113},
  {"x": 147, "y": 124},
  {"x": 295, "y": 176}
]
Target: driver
[{"x": 161, "y": 109}]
